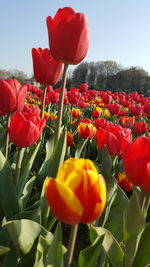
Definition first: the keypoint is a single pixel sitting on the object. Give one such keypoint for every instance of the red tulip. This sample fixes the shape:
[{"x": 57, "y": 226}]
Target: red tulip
[
  {"x": 46, "y": 69},
  {"x": 83, "y": 87},
  {"x": 146, "y": 107},
  {"x": 68, "y": 35},
  {"x": 12, "y": 95},
  {"x": 25, "y": 128},
  {"x": 113, "y": 136},
  {"x": 69, "y": 139},
  {"x": 136, "y": 110},
  {"x": 95, "y": 114},
  {"x": 140, "y": 127},
  {"x": 136, "y": 159},
  {"x": 105, "y": 97},
  {"x": 113, "y": 108},
  {"x": 73, "y": 96}
]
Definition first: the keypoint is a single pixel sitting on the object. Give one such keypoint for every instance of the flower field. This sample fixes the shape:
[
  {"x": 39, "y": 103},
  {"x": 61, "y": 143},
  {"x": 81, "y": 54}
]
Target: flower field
[{"x": 74, "y": 164}]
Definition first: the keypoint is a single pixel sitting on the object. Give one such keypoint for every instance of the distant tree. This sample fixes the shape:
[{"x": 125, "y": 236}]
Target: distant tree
[
  {"x": 79, "y": 74},
  {"x": 17, "y": 74},
  {"x": 132, "y": 79}
]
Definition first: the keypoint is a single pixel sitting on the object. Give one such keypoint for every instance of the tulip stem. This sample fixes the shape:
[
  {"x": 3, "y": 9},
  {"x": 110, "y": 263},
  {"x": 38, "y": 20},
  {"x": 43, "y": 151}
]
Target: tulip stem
[
  {"x": 43, "y": 100},
  {"x": 71, "y": 245},
  {"x": 7, "y": 138},
  {"x": 61, "y": 103},
  {"x": 20, "y": 154}
]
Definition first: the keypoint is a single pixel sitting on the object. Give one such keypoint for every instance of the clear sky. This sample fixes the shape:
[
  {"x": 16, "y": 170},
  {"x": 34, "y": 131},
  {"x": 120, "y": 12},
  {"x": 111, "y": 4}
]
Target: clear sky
[{"x": 119, "y": 30}]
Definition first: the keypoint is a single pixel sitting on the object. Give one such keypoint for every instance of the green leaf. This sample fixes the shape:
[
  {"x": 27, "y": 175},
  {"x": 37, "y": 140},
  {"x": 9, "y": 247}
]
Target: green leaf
[
  {"x": 80, "y": 147},
  {"x": 111, "y": 194},
  {"x": 46, "y": 217},
  {"x": 106, "y": 164},
  {"x": 51, "y": 164},
  {"x": 142, "y": 257},
  {"x": 27, "y": 192},
  {"x": 3, "y": 133},
  {"x": 114, "y": 222},
  {"x": 24, "y": 233},
  {"x": 111, "y": 246},
  {"x": 8, "y": 196},
  {"x": 57, "y": 157},
  {"x": 3, "y": 250},
  {"x": 43, "y": 172},
  {"x": 88, "y": 257},
  {"x": 134, "y": 223},
  {"x": 42, "y": 250},
  {"x": 56, "y": 250},
  {"x": 10, "y": 259},
  {"x": 26, "y": 168}
]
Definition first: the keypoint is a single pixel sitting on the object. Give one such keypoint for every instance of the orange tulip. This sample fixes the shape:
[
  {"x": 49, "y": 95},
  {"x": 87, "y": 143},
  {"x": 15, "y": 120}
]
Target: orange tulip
[
  {"x": 123, "y": 181},
  {"x": 78, "y": 194},
  {"x": 86, "y": 130}
]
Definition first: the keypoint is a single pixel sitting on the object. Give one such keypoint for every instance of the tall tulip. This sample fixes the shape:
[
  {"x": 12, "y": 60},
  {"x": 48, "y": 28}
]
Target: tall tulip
[
  {"x": 12, "y": 95},
  {"x": 78, "y": 194},
  {"x": 25, "y": 128},
  {"x": 46, "y": 69},
  {"x": 68, "y": 35},
  {"x": 136, "y": 160}
]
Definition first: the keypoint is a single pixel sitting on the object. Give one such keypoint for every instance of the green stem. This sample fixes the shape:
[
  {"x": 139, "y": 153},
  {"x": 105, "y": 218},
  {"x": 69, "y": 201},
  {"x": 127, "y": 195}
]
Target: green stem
[
  {"x": 7, "y": 138},
  {"x": 20, "y": 154},
  {"x": 61, "y": 104},
  {"x": 43, "y": 100},
  {"x": 71, "y": 245}
]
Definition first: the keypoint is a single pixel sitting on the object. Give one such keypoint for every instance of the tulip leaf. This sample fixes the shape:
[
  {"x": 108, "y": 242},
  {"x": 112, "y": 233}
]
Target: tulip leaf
[
  {"x": 80, "y": 147},
  {"x": 4, "y": 250},
  {"x": 43, "y": 172},
  {"x": 27, "y": 191},
  {"x": 111, "y": 195},
  {"x": 41, "y": 252},
  {"x": 88, "y": 257},
  {"x": 142, "y": 257},
  {"x": 114, "y": 222},
  {"x": 24, "y": 232},
  {"x": 46, "y": 217},
  {"x": 56, "y": 249},
  {"x": 9, "y": 204},
  {"x": 10, "y": 259},
  {"x": 134, "y": 223},
  {"x": 111, "y": 246},
  {"x": 3, "y": 133},
  {"x": 26, "y": 168},
  {"x": 106, "y": 163},
  {"x": 58, "y": 155}
]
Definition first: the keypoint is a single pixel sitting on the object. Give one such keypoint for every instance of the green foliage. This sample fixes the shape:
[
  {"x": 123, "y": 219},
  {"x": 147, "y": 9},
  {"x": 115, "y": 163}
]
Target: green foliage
[
  {"x": 112, "y": 249},
  {"x": 88, "y": 257},
  {"x": 132, "y": 230}
]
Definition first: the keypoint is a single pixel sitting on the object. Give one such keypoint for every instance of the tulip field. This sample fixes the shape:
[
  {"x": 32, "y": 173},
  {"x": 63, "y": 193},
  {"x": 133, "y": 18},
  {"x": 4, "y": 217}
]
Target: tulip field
[{"x": 74, "y": 163}]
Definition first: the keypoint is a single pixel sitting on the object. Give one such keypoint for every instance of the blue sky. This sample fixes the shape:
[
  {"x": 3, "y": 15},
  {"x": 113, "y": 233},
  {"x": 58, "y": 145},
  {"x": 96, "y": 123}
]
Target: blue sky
[{"x": 119, "y": 30}]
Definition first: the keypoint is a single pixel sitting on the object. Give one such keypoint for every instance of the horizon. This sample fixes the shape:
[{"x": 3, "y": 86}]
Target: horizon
[{"x": 118, "y": 32}]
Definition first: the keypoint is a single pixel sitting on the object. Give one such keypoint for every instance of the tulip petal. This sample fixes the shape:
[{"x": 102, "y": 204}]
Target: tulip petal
[
  {"x": 63, "y": 202},
  {"x": 90, "y": 189}
]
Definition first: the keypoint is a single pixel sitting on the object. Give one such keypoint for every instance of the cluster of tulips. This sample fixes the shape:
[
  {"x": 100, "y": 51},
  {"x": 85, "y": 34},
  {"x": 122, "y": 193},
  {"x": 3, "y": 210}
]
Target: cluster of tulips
[{"x": 78, "y": 156}]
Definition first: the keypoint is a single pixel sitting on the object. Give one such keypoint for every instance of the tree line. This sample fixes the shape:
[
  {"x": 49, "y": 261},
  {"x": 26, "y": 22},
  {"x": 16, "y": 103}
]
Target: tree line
[
  {"x": 101, "y": 75},
  {"x": 109, "y": 75}
]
